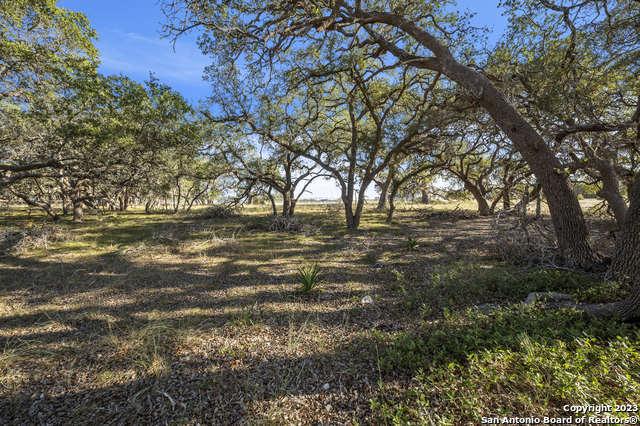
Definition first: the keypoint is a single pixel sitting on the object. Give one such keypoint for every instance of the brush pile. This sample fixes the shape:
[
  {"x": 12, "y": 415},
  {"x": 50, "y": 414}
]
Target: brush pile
[
  {"x": 525, "y": 241},
  {"x": 220, "y": 211},
  {"x": 19, "y": 239},
  {"x": 290, "y": 224},
  {"x": 453, "y": 215}
]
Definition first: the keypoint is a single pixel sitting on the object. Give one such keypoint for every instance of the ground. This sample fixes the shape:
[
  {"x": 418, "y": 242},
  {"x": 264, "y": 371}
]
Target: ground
[{"x": 130, "y": 318}]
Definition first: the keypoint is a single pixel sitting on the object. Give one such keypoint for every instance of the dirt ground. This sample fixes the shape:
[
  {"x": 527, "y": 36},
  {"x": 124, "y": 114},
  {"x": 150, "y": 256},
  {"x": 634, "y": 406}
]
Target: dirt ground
[{"x": 180, "y": 320}]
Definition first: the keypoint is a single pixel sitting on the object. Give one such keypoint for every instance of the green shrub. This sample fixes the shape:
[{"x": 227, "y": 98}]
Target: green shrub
[{"x": 516, "y": 361}]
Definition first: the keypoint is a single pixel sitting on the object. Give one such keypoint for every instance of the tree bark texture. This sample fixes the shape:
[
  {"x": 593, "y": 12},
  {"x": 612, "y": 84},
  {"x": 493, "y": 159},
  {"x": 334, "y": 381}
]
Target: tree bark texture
[
  {"x": 425, "y": 197},
  {"x": 483, "y": 206},
  {"x": 392, "y": 203},
  {"x": 78, "y": 215},
  {"x": 610, "y": 189},
  {"x": 286, "y": 203},
  {"x": 384, "y": 191},
  {"x": 384, "y": 194},
  {"x": 506, "y": 200},
  {"x": 626, "y": 259}
]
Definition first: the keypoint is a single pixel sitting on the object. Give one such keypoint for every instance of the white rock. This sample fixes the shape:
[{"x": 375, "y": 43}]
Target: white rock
[
  {"x": 326, "y": 386},
  {"x": 367, "y": 299}
]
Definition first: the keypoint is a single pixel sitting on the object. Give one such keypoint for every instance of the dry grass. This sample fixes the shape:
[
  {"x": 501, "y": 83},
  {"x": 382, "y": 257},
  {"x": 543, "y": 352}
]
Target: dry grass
[{"x": 181, "y": 320}]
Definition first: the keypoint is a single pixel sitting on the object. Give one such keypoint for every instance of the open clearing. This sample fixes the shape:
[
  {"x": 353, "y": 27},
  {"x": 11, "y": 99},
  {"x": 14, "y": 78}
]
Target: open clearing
[{"x": 173, "y": 319}]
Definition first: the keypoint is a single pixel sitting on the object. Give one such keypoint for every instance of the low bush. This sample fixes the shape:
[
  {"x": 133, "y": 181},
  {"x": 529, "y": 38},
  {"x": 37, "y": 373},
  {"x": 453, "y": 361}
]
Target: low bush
[{"x": 514, "y": 362}]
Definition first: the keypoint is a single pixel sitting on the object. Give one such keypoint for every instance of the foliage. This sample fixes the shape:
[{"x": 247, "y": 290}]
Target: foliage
[
  {"x": 41, "y": 47},
  {"x": 473, "y": 358}
]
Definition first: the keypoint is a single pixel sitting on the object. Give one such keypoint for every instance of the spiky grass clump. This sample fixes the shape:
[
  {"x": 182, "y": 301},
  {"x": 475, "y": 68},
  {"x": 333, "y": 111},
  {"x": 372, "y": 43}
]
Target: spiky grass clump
[
  {"x": 308, "y": 279},
  {"x": 412, "y": 244}
]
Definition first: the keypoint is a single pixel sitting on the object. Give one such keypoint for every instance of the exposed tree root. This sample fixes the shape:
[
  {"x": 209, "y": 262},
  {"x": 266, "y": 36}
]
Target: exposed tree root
[{"x": 625, "y": 310}]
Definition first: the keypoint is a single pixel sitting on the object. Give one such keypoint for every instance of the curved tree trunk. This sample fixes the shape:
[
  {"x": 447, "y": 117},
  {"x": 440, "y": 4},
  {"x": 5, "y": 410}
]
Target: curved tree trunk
[
  {"x": 384, "y": 192},
  {"x": 626, "y": 259},
  {"x": 483, "y": 206},
  {"x": 610, "y": 189},
  {"x": 392, "y": 203},
  {"x": 31, "y": 203},
  {"x": 574, "y": 241},
  {"x": 273, "y": 202}
]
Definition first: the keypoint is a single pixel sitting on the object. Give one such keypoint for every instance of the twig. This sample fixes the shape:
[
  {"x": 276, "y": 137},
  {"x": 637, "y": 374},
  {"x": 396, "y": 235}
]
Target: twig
[{"x": 173, "y": 403}]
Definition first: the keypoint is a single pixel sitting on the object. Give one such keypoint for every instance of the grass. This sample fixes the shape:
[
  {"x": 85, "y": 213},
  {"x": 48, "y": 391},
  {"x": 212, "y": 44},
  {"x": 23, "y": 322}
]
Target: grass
[{"x": 136, "y": 306}]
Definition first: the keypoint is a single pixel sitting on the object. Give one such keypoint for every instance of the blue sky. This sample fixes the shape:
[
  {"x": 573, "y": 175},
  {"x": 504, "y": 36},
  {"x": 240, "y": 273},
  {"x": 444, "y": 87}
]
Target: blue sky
[{"x": 129, "y": 43}]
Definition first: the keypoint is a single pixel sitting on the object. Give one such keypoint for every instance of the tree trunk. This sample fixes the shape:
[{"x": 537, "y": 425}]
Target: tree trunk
[
  {"x": 392, "y": 203},
  {"x": 574, "y": 241},
  {"x": 425, "y": 197},
  {"x": 348, "y": 212},
  {"x": 78, "y": 215},
  {"x": 506, "y": 200},
  {"x": 359, "y": 206},
  {"x": 286, "y": 203},
  {"x": 273, "y": 203},
  {"x": 483, "y": 206},
  {"x": 127, "y": 196},
  {"x": 382, "y": 200},
  {"x": 147, "y": 206},
  {"x": 197, "y": 196},
  {"x": 626, "y": 259},
  {"x": 66, "y": 202},
  {"x": 292, "y": 208},
  {"x": 179, "y": 196},
  {"x": 610, "y": 189},
  {"x": 384, "y": 192}
]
